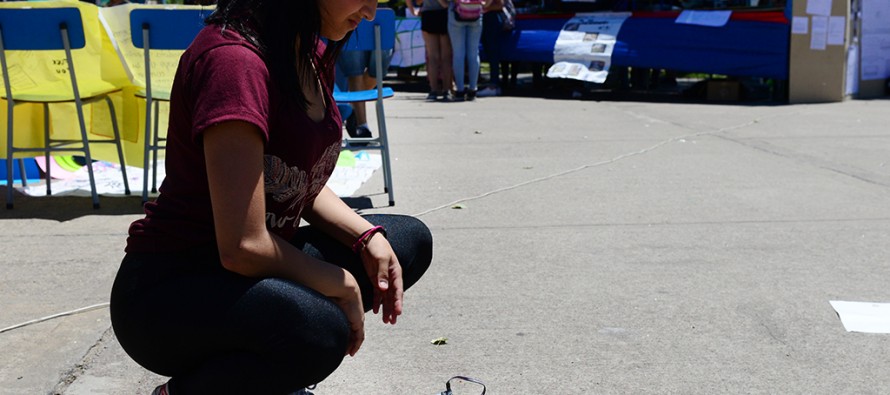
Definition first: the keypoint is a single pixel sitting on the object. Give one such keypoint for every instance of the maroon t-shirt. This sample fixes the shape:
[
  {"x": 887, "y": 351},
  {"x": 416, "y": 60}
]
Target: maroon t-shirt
[{"x": 223, "y": 78}]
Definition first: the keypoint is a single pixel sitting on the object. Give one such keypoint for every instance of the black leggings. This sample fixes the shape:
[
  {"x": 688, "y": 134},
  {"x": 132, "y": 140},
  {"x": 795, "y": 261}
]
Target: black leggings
[{"x": 214, "y": 331}]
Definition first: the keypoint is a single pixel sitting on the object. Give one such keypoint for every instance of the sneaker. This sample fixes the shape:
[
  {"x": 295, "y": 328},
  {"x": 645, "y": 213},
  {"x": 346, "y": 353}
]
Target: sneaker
[
  {"x": 446, "y": 97},
  {"x": 471, "y": 95},
  {"x": 489, "y": 91},
  {"x": 351, "y": 124},
  {"x": 161, "y": 390},
  {"x": 362, "y": 132},
  {"x": 432, "y": 96},
  {"x": 460, "y": 95}
]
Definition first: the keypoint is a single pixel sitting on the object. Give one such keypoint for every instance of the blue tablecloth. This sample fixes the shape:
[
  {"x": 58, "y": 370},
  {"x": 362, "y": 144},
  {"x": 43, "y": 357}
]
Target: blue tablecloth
[{"x": 742, "y": 48}]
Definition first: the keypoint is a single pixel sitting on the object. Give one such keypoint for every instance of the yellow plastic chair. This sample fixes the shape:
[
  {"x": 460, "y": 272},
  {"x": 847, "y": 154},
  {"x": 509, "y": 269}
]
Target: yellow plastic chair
[
  {"x": 161, "y": 29},
  {"x": 43, "y": 29}
]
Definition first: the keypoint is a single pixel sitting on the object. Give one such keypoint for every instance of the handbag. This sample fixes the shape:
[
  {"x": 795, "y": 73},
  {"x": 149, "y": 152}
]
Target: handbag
[
  {"x": 468, "y": 10},
  {"x": 509, "y": 16}
]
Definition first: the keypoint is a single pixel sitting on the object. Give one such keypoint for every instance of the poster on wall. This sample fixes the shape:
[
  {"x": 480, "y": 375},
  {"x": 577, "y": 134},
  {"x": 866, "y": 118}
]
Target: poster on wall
[
  {"x": 875, "y": 56},
  {"x": 583, "y": 50}
]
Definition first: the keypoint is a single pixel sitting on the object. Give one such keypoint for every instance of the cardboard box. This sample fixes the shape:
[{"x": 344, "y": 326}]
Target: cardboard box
[{"x": 723, "y": 90}]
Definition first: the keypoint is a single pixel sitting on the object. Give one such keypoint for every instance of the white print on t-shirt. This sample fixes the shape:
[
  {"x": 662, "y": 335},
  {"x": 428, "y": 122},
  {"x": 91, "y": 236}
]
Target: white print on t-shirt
[
  {"x": 295, "y": 187},
  {"x": 275, "y": 222}
]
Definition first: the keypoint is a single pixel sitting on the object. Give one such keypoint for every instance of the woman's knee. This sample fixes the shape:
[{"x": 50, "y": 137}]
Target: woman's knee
[
  {"x": 403, "y": 226},
  {"x": 422, "y": 234},
  {"x": 433, "y": 57},
  {"x": 297, "y": 320},
  {"x": 311, "y": 333}
]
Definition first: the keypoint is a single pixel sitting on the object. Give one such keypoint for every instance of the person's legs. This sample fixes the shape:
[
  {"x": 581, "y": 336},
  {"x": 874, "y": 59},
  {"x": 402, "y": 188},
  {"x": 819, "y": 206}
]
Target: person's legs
[
  {"x": 473, "y": 34},
  {"x": 354, "y": 65},
  {"x": 214, "y": 331},
  {"x": 492, "y": 31},
  {"x": 433, "y": 61},
  {"x": 366, "y": 81},
  {"x": 457, "y": 31},
  {"x": 370, "y": 77},
  {"x": 357, "y": 83},
  {"x": 447, "y": 71}
]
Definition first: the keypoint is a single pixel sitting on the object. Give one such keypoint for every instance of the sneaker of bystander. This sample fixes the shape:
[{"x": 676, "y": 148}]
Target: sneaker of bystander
[{"x": 489, "y": 91}]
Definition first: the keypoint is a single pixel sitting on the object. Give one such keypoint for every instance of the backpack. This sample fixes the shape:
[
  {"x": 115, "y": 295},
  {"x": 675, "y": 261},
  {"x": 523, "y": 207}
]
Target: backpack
[{"x": 468, "y": 10}]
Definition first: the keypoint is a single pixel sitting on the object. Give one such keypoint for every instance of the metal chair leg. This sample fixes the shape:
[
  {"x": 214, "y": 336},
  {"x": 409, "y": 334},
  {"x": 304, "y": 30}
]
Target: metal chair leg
[
  {"x": 87, "y": 155},
  {"x": 154, "y": 148},
  {"x": 147, "y": 150},
  {"x": 22, "y": 172},
  {"x": 119, "y": 143},
  {"x": 9, "y": 176},
  {"x": 47, "y": 144},
  {"x": 384, "y": 152},
  {"x": 387, "y": 176}
]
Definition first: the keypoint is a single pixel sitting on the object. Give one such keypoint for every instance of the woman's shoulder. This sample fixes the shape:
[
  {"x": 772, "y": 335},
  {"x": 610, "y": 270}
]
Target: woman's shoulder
[
  {"x": 223, "y": 47},
  {"x": 214, "y": 37}
]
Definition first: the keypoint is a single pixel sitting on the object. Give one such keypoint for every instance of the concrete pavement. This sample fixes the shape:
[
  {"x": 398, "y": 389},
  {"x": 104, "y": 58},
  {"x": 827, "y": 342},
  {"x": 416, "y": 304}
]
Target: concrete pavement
[{"x": 601, "y": 247}]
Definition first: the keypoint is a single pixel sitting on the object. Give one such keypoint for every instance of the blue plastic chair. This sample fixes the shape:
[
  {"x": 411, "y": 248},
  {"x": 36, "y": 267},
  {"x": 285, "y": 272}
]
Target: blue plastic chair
[
  {"x": 160, "y": 29},
  {"x": 26, "y": 171},
  {"x": 377, "y": 35},
  {"x": 40, "y": 29},
  {"x": 340, "y": 80}
]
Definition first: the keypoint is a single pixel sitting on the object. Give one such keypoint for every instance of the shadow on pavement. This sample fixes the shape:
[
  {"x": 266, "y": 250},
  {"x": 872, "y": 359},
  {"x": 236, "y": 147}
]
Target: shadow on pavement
[{"x": 66, "y": 208}]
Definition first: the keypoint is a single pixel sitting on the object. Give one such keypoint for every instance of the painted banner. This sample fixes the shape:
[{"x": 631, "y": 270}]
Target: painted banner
[{"x": 583, "y": 50}]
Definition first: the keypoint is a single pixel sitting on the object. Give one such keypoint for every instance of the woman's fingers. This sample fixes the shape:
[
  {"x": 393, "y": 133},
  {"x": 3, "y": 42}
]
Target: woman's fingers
[
  {"x": 356, "y": 338},
  {"x": 385, "y": 273},
  {"x": 378, "y": 300},
  {"x": 350, "y": 301},
  {"x": 392, "y": 305}
]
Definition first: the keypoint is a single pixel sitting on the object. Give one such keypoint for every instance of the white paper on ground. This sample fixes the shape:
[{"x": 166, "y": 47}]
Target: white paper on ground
[
  {"x": 109, "y": 180},
  {"x": 863, "y": 317}
]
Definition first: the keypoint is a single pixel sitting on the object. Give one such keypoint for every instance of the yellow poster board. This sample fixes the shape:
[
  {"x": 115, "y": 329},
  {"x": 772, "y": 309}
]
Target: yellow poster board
[
  {"x": 108, "y": 54},
  {"x": 29, "y": 69},
  {"x": 116, "y": 22}
]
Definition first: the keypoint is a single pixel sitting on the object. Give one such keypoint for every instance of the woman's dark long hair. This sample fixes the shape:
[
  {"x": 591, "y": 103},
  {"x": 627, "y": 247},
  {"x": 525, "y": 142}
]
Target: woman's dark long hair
[{"x": 274, "y": 27}]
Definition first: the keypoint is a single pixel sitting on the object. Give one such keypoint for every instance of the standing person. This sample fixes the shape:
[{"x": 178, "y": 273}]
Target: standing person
[
  {"x": 220, "y": 287},
  {"x": 434, "y": 26},
  {"x": 465, "y": 35},
  {"x": 360, "y": 70},
  {"x": 492, "y": 34}
]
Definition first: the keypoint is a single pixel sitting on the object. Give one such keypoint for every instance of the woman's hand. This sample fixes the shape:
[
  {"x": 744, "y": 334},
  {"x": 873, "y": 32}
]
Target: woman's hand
[
  {"x": 332, "y": 216},
  {"x": 385, "y": 273},
  {"x": 350, "y": 301}
]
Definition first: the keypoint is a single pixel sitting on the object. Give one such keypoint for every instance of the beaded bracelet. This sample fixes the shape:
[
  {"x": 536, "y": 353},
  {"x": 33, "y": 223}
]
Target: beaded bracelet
[{"x": 366, "y": 235}]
